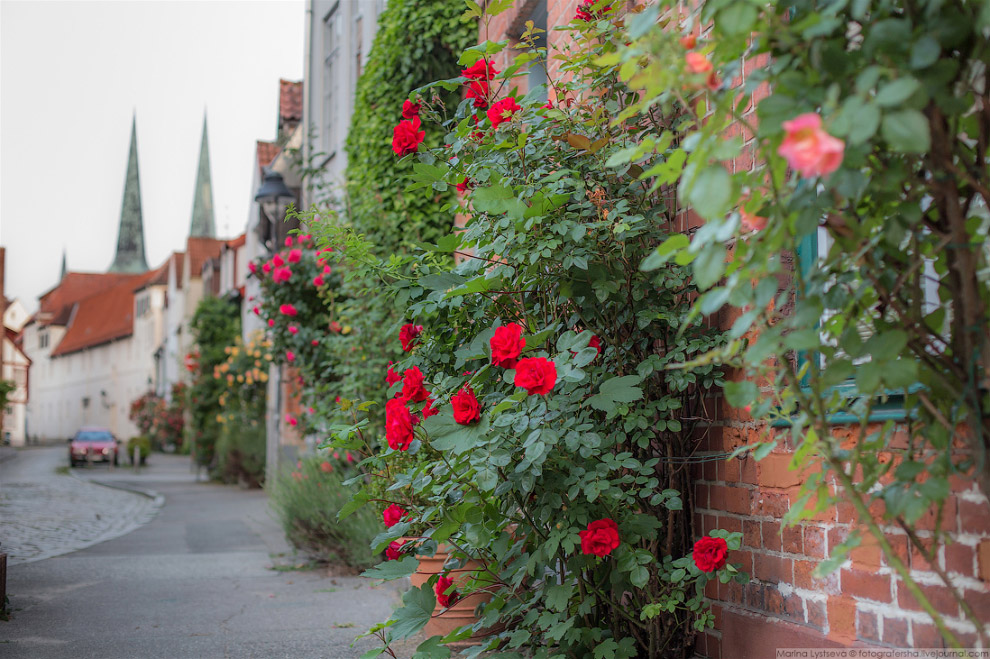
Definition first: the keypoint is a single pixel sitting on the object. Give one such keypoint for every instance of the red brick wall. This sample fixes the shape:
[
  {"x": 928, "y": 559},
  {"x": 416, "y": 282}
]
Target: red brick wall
[{"x": 863, "y": 603}]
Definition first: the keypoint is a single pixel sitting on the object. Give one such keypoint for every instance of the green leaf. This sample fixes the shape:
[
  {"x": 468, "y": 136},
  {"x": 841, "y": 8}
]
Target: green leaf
[
  {"x": 906, "y": 131},
  {"x": 897, "y": 91},
  {"x": 396, "y": 569},
  {"x": 709, "y": 265},
  {"x": 558, "y": 597},
  {"x": 432, "y": 648},
  {"x": 616, "y": 390},
  {"x": 667, "y": 249},
  {"x": 737, "y": 18},
  {"x": 639, "y": 576},
  {"x": 358, "y": 500},
  {"x": 709, "y": 192},
  {"x": 417, "y": 608},
  {"x": 741, "y": 393}
]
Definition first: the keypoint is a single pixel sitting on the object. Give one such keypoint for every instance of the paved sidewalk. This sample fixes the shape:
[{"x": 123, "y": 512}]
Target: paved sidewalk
[{"x": 44, "y": 513}]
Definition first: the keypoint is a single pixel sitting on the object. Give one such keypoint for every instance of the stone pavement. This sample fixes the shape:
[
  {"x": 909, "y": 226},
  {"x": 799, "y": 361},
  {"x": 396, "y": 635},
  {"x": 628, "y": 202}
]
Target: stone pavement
[
  {"x": 209, "y": 576},
  {"x": 44, "y": 513}
]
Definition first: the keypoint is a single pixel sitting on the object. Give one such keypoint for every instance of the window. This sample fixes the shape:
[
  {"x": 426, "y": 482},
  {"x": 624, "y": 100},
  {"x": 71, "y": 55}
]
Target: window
[
  {"x": 143, "y": 306},
  {"x": 43, "y": 339},
  {"x": 332, "y": 33}
]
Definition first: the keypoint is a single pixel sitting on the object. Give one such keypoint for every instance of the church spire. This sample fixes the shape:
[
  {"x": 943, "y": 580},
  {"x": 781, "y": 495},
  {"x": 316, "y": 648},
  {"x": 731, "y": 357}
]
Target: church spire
[
  {"x": 130, "y": 235},
  {"x": 65, "y": 268},
  {"x": 202, "y": 213}
]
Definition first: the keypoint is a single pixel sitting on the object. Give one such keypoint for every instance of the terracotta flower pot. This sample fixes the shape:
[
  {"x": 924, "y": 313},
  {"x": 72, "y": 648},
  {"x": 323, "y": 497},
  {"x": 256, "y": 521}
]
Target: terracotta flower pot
[{"x": 444, "y": 621}]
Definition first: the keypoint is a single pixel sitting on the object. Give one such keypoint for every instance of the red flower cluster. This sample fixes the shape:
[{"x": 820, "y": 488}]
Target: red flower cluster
[
  {"x": 281, "y": 275},
  {"x": 392, "y": 377},
  {"x": 586, "y": 10},
  {"x": 288, "y": 310},
  {"x": 394, "y": 550},
  {"x": 412, "y": 385},
  {"x": 444, "y": 598},
  {"x": 502, "y": 111},
  {"x": 480, "y": 73},
  {"x": 392, "y": 515},
  {"x": 429, "y": 410},
  {"x": 537, "y": 375},
  {"x": 410, "y": 109},
  {"x": 710, "y": 554},
  {"x": 600, "y": 538},
  {"x": 399, "y": 424},
  {"x": 467, "y": 409},
  {"x": 407, "y": 136},
  {"x": 507, "y": 344},
  {"x": 408, "y": 336}
]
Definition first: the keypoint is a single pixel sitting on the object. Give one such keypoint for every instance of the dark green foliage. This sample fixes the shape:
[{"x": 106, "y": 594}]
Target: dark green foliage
[{"x": 215, "y": 324}]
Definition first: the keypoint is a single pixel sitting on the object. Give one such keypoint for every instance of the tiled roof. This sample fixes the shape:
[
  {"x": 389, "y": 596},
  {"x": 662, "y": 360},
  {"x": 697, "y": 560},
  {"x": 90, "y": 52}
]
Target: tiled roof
[
  {"x": 104, "y": 316},
  {"x": 266, "y": 153},
  {"x": 290, "y": 100},
  {"x": 239, "y": 241},
  {"x": 56, "y": 304},
  {"x": 158, "y": 276},
  {"x": 200, "y": 250}
]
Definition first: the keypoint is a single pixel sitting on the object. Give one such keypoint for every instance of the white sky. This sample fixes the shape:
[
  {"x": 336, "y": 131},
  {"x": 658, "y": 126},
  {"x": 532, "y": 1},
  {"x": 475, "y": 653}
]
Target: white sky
[{"x": 72, "y": 74}]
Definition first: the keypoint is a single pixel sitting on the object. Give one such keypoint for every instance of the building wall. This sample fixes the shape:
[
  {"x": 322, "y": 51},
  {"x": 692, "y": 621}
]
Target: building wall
[
  {"x": 341, "y": 34},
  {"x": 16, "y": 370},
  {"x": 863, "y": 603}
]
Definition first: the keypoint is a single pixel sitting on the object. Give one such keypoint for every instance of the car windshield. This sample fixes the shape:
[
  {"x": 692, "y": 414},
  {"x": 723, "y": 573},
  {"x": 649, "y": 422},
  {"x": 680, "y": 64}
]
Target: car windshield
[{"x": 93, "y": 436}]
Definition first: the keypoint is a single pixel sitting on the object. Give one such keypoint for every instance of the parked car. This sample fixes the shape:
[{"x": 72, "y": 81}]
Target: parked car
[{"x": 92, "y": 445}]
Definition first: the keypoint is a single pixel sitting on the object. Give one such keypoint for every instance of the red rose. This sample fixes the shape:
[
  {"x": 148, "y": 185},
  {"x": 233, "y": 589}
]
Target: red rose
[
  {"x": 399, "y": 424},
  {"x": 288, "y": 310},
  {"x": 406, "y": 137},
  {"x": 710, "y": 554},
  {"x": 587, "y": 12},
  {"x": 429, "y": 410},
  {"x": 464, "y": 185},
  {"x": 410, "y": 109},
  {"x": 278, "y": 261},
  {"x": 537, "y": 375},
  {"x": 394, "y": 550},
  {"x": 478, "y": 90},
  {"x": 391, "y": 377},
  {"x": 502, "y": 111},
  {"x": 295, "y": 255},
  {"x": 467, "y": 410},
  {"x": 326, "y": 467},
  {"x": 392, "y": 515},
  {"x": 596, "y": 343},
  {"x": 507, "y": 344},
  {"x": 443, "y": 598},
  {"x": 412, "y": 385},
  {"x": 481, "y": 70},
  {"x": 600, "y": 538},
  {"x": 408, "y": 335}
]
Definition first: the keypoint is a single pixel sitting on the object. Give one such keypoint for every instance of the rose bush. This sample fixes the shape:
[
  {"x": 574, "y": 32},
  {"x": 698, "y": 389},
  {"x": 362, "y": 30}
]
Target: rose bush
[{"x": 581, "y": 443}]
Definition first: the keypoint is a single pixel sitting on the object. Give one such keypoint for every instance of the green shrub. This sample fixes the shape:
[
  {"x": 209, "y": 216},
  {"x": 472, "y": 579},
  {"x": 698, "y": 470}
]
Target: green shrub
[
  {"x": 143, "y": 442},
  {"x": 307, "y": 501},
  {"x": 241, "y": 451}
]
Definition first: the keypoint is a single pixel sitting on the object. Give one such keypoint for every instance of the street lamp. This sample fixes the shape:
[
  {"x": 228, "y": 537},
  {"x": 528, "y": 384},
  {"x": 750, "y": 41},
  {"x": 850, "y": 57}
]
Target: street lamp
[{"x": 274, "y": 196}]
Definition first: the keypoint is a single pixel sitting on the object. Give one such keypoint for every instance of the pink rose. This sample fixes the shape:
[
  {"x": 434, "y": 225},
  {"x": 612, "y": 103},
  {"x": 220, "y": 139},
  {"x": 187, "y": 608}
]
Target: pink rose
[
  {"x": 293, "y": 329},
  {"x": 288, "y": 310},
  {"x": 317, "y": 281},
  {"x": 809, "y": 149},
  {"x": 290, "y": 356}
]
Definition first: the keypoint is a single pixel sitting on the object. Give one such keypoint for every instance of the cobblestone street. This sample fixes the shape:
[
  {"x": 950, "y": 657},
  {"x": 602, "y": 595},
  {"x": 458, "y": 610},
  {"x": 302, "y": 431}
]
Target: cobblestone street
[{"x": 44, "y": 513}]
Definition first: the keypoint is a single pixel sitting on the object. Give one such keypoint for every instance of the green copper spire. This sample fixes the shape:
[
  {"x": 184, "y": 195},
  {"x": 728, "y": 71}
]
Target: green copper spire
[
  {"x": 65, "y": 268},
  {"x": 202, "y": 213},
  {"x": 130, "y": 236}
]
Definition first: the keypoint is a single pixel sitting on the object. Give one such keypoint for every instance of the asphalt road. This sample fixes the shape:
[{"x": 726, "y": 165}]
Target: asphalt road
[{"x": 196, "y": 581}]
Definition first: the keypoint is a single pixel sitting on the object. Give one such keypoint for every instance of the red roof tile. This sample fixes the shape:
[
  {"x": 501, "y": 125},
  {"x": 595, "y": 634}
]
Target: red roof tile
[
  {"x": 201, "y": 250},
  {"x": 239, "y": 241},
  {"x": 266, "y": 153},
  {"x": 290, "y": 100},
  {"x": 103, "y": 317},
  {"x": 56, "y": 304}
]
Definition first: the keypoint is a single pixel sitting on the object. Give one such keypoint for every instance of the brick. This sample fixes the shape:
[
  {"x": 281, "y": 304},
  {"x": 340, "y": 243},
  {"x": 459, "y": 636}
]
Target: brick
[
  {"x": 866, "y": 627},
  {"x": 868, "y": 554},
  {"x": 771, "y": 504},
  {"x": 979, "y": 602},
  {"x": 866, "y": 585},
  {"x": 743, "y": 558},
  {"x": 817, "y": 617},
  {"x": 895, "y": 632},
  {"x": 902, "y": 549},
  {"x": 752, "y": 537},
  {"x": 729, "y": 471},
  {"x": 748, "y": 473},
  {"x": 814, "y": 541},
  {"x": 700, "y": 495},
  {"x": 755, "y": 596},
  {"x": 731, "y": 592},
  {"x": 983, "y": 558},
  {"x": 792, "y": 543},
  {"x": 803, "y": 578},
  {"x": 960, "y": 559},
  {"x": 711, "y": 590},
  {"x": 773, "y": 569},
  {"x": 949, "y": 512},
  {"x": 919, "y": 561},
  {"x": 730, "y": 524},
  {"x": 939, "y": 596},
  {"x": 841, "y": 619},
  {"x": 774, "y": 471},
  {"x": 926, "y": 636},
  {"x": 737, "y": 500},
  {"x": 711, "y": 471},
  {"x": 794, "y": 607},
  {"x": 771, "y": 536},
  {"x": 974, "y": 518},
  {"x": 714, "y": 645},
  {"x": 710, "y": 523}
]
